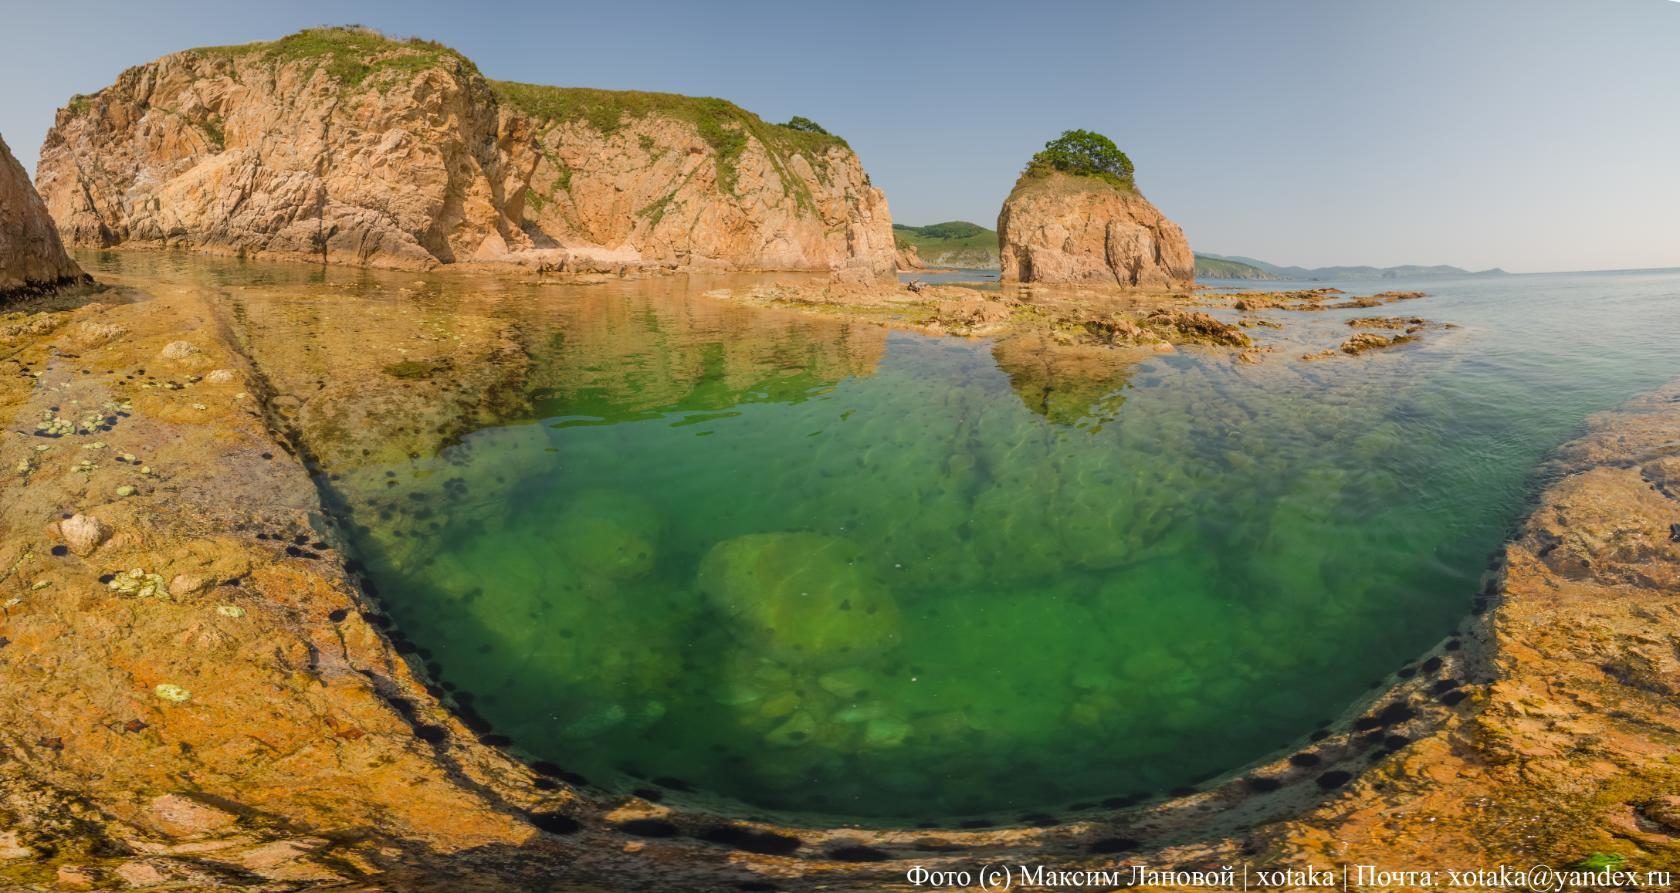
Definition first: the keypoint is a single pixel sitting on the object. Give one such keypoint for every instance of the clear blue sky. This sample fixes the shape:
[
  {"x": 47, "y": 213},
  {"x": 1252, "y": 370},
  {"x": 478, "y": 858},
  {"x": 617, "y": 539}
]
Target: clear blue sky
[{"x": 1528, "y": 134}]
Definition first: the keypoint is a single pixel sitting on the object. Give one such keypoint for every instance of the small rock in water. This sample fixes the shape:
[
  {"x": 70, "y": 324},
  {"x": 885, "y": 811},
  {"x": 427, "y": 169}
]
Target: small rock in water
[
  {"x": 178, "y": 350},
  {"x": 886, "y": 732},
  {"x": 83, "y": 533},
  {"x": 186, "y": 584},
  {"x": 592, "y": 724},
  {"x": 172, "y": 693},
  {"x": 125, "y": 490},
  {"x": 230, "y": 610},
  {"x": 796, "y": 731},
  {"x": 847, "y": 683}
]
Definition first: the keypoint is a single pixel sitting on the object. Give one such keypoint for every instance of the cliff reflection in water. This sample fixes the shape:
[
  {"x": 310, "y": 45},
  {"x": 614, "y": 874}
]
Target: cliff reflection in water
[{"x": 1078, "y": 385}]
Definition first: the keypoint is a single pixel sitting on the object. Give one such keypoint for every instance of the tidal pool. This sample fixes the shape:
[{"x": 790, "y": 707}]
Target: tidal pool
[{"x": 796, "y": 566}]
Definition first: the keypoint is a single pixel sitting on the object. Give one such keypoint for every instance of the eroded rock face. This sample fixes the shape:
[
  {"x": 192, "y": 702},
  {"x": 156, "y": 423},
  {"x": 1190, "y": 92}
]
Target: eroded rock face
[
  {"x": 910, "y": 259},
  {"x": 342, "y": 146},
  {"x": 1060, "y": 228},
  {"x": 31, "y": 256}
]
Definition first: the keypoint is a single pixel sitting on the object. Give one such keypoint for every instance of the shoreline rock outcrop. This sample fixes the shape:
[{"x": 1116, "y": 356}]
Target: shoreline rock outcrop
[
  {"x": 1070, "y": 229},
  {"x": 343, "y": 146},
  {"x": 32, "y": 257},
  {"x": 910, "y": 259}
]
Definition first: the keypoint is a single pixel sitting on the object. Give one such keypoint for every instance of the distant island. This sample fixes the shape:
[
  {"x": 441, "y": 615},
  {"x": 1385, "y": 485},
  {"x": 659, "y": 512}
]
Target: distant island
[
  {"x": 954, "y": 243},
  {"x": 1215, "y": 266}
]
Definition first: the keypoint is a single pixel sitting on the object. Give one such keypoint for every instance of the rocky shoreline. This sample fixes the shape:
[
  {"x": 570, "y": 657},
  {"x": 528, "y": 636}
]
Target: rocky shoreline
[{"x": 200, "y": 692}]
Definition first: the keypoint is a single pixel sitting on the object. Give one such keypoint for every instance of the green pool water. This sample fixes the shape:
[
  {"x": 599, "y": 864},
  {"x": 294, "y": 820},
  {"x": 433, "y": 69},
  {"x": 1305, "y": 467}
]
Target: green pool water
[{"x": 811, "y": 569}]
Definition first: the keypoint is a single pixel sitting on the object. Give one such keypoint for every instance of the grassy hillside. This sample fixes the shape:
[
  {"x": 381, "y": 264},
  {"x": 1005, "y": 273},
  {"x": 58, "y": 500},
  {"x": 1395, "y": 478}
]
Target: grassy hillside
[
  {"x": 350, "y": 54},
  {"x": 954, "y": 243},
  {"x": 1223, "y": 268}
]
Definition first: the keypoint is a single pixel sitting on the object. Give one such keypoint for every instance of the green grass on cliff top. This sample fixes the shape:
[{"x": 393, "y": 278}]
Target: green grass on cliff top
[
  {"x": 351, "y": 54},
  {"x": 1038, "y": 170},
  {"x": 724, "y": 126}
]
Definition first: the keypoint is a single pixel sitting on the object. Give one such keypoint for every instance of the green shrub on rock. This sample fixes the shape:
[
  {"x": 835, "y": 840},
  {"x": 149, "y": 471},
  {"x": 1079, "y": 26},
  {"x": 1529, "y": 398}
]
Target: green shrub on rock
[{"x": 1084, "y": 153}]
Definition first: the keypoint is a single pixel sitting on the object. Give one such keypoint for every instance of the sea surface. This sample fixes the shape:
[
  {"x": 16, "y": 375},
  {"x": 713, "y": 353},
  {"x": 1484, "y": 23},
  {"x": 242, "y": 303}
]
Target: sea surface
[{"x": 793, "y": 566}]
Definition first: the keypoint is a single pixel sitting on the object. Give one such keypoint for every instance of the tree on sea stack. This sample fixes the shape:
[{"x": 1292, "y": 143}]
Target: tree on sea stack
[
  {"x": 1076, "y": 217},
  {"x": 1084, "y": 153}
]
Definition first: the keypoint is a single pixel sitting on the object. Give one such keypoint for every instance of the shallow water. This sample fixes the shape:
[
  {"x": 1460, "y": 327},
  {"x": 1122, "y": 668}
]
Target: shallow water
[{"x": 816, "y": 569}]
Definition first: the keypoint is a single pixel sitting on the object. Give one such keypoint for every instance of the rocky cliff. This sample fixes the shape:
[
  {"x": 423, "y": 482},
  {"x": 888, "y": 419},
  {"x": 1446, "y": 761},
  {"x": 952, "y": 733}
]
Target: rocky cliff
[
  {"x": 909, "y": 259},
  {"x": 31, "y": 256},
  {"x": 1064, "y": 228},
  {"x": 345, "y": 146}
]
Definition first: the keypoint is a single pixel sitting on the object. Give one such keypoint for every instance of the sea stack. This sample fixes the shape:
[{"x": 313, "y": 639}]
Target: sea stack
[
  {"x": 1075, "y": 217},
  {"x": 32, "y": 258},
  {"x": 341, "y": 145}
]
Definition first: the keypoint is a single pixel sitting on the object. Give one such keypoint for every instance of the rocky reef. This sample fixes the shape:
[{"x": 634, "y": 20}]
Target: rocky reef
[
  {"x": 1065, "y": 228},
  {"x": 32, "y": 258},
  {"x": 343, "y": 146}
]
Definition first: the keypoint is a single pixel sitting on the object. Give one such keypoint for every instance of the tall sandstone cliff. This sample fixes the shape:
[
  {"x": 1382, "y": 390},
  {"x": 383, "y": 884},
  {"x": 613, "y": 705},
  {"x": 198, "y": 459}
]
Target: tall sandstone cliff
[
  {"x": 1063, "y": 228},
  {"x": 344, "y": 146},
  {"x": 32, "y": 257}
]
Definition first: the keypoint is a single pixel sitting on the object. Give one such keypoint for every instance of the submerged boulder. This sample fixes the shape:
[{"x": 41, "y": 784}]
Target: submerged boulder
[
  {"x": 32, "y": 258},
  {"x": 607, "y": 534},
  {"x": 809, "y": 598}
]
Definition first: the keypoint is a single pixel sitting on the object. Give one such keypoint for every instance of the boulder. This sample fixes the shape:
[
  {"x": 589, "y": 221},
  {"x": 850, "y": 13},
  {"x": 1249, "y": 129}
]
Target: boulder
[
  {"x": 607, "y": 535},
  {"x": 809, "y": 599},
  {"x": 83, "y": 533}
]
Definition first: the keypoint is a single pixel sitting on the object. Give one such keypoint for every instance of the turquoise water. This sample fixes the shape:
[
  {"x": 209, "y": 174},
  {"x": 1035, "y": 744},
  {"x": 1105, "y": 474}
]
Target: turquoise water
[{"x": 817, "y": 570}]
